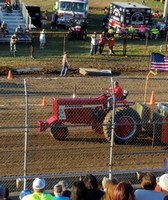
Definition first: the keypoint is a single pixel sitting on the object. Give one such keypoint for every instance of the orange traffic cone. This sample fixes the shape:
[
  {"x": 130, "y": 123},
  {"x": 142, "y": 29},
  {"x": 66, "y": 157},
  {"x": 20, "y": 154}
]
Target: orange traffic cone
[
  {"x": 44, "y": 102},
  {"x": 9, "y": 75},
  {"x": 152, "y": 99}
]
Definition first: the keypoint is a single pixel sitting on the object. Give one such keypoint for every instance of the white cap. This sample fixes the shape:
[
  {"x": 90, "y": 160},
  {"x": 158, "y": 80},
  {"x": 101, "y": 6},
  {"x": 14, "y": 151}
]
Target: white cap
[
  {"x": 38, "y": 183},
  {"x": 163, "y": 182}
]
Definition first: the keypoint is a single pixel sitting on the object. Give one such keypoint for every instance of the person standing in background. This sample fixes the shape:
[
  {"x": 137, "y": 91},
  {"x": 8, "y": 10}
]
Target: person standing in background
[
  {"x": 44, "y": 20},
  {"x": 111, "y": 45},
  {"x": 42, "y": 39},
  {"x": 102, "y": 41},
  {"x": 54, "y": 18},
  {"x": 94, "y": 44},
  {"x": 65, "y": 64},
  {"x": 13, "y": 41}
]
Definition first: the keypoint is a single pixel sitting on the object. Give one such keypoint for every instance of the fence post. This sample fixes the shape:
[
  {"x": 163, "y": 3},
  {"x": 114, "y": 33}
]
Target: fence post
[
  {"x": 112, "y": 132},
  {"x": 26, "y": 133},
  {"x": 64, "y": 46}
]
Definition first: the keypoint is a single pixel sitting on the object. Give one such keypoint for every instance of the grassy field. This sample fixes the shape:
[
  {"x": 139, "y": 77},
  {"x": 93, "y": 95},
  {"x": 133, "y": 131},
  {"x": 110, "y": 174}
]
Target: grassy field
[
  {"x": 50, "y": 58},
  {"x": 93, "y": 4}
]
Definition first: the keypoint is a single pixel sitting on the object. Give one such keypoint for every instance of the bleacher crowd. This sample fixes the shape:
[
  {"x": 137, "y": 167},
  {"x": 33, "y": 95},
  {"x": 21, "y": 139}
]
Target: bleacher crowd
[{"x": 88, "y": 188}]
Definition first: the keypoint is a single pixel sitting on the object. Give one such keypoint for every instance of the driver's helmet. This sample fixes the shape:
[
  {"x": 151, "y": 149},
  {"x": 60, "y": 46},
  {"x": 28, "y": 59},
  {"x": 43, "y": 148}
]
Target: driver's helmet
[{"x": 125, "y": 93}]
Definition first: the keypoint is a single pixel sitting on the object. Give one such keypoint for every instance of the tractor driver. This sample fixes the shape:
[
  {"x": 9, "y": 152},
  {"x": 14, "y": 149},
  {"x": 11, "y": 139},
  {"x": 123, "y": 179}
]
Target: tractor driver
[{"x": 118, "y": 92}]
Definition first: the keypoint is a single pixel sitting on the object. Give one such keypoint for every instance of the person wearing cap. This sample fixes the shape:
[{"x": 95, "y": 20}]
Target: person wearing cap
[
  {"x": 94, "y": 44},
  {"x": 162, "y": 185},
  {"x": 102, "y": 41},
  {"x": 42, "y": 39},
  {"x": 58, "y": 193},
  {"x": 65, "y": 191},
  {"x": 24, "y": 193},
  {"x": 38, "y": 191}
]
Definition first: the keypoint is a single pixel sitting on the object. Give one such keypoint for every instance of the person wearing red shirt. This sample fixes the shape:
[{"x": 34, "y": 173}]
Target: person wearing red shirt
[{"x": 118, "y": 91}]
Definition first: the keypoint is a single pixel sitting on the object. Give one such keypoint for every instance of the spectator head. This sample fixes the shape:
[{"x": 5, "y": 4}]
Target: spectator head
[
  {"x": 6, "y": 192},
  {"x": 94, "y": 33},
  {"x": 38, "y": 184},
  {"x": 90, "y": 182},
  {"x": 105, "y": 182},
  {"x": 2, "y": 192},
  {"x": 24, "y": 193},
  {"x": 148, "y": 181},
  {"x": 163, "y": 182},
  {"x": 79, "y": 191},
  {"x": 116, "y": 83},
  {"x": 57, "y": 190},
  {"x": 111, "y": 185},
  {"x": 64, "y": 184},
  {"x": 123, "y": 191}
]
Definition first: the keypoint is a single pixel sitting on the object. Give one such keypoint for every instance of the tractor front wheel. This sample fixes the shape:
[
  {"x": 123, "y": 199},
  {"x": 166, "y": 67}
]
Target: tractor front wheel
[
  {"x": 59, "y": 131},
  {"x": 127, "y": 125}
]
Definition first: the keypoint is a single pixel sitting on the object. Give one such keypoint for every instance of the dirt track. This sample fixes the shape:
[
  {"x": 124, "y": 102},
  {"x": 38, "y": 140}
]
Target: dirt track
[{"x": 83, "y": 150}]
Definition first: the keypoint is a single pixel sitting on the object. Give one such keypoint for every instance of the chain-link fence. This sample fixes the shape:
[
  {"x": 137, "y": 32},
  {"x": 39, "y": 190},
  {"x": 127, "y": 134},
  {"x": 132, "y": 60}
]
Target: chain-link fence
[{"x": 61, "y": 128}]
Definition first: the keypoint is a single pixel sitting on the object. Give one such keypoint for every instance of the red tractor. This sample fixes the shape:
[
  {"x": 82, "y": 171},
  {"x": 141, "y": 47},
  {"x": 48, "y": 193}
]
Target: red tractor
[{"x": 93, "y": 111}]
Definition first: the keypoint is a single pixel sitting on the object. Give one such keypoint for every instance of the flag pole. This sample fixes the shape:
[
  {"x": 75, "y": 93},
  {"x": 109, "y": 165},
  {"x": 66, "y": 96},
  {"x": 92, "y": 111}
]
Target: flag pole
[{"x": 146, "y": 84}]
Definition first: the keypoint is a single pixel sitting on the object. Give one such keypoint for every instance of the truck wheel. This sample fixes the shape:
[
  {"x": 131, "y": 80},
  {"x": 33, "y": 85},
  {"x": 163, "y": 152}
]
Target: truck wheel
[
  {"x": 127, "y": 125},
  {"x": 59, "y": 131}
]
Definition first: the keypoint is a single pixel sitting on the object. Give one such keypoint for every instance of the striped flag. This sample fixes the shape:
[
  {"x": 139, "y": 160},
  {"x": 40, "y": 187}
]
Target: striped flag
[{"x": 159, "y": 62}]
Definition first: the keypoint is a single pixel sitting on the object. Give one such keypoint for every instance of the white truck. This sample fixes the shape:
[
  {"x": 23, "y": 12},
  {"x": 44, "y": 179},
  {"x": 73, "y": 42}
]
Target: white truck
[{"x": 68, "y": 8}]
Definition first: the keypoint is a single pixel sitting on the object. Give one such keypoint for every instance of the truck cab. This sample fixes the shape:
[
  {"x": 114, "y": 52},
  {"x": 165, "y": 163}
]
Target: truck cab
[{"x": 67, "y": 9}]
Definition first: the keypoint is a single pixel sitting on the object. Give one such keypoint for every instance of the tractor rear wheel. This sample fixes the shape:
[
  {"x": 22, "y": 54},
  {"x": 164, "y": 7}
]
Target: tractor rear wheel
[
  {"x": 127, "y": 125},
  {"x": 59, "y": 131}
]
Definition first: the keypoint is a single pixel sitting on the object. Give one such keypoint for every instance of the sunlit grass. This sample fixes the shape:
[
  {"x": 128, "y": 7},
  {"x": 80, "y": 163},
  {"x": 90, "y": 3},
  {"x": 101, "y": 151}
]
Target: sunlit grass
[{"x": 138, "y": 54}]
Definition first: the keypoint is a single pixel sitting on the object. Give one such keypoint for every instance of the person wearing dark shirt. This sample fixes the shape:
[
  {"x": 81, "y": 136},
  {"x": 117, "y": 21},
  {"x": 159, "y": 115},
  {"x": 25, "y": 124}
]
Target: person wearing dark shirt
[{"x": 94, "y": 193}]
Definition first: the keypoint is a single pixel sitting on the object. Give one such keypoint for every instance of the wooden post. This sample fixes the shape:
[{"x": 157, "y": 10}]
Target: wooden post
[
  {"x": 32, "y": 47},
  {"x": 125, "y": 46},
  {"x": 64, "y": 46},
  {"x": 166, "y": 41},
  {"x": 147, "y": 39}
]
